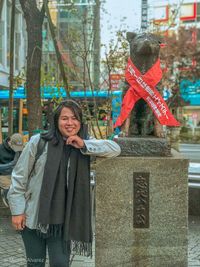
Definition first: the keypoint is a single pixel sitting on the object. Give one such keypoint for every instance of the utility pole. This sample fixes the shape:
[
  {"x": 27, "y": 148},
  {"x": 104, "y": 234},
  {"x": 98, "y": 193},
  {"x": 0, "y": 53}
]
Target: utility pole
[
  {"x": 11, "y": 81},
  {"x": 144, "y": 15}
]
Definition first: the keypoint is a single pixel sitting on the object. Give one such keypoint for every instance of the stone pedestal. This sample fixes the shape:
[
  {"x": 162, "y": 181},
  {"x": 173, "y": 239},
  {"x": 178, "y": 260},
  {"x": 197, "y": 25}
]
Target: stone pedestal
[
  {"x": 144, "y": 146},
  {"x": 163, "y": 240}
]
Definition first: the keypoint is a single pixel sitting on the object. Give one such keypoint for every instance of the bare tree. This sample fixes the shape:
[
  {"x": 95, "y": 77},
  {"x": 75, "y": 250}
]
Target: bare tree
[
  {"x": 34, "y": 17},
  {"x": 180, "y": 58},
  {"x": 58, "y": 54},
  {"x": 97, "y": 44},
  {"x": 80, "y": 42}
]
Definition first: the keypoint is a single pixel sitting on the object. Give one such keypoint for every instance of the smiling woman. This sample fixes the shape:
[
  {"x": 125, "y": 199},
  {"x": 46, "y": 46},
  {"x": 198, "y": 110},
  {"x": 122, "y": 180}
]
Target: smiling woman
[
  {"x": 68, "y": 123},
  {"x": 52, "y": 208}
]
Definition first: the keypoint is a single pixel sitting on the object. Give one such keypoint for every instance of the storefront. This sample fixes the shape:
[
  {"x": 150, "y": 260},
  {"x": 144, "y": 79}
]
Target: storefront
[
  {"x": 48, "y": 94},
  {"x": 190, "y": 91}
]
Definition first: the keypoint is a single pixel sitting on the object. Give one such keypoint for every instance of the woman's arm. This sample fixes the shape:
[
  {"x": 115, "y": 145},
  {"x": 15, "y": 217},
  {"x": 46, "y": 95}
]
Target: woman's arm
[
  {"x": 101, "y": 148},
  {"x": 94, "y": 147},
  {"x": 20, "y": 175}
]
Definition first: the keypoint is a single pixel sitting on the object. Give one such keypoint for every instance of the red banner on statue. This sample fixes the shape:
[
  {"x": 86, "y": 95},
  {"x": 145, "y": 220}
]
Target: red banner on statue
[{"x": 143, "y": 86}]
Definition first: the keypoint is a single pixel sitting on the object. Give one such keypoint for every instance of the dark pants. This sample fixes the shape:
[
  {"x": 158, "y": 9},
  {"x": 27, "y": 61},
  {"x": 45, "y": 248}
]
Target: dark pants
[{"x": 35, "y": 247}]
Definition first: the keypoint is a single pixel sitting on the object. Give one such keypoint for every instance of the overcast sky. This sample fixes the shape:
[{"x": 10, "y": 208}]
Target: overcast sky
[{"x": 130, "y": 10}]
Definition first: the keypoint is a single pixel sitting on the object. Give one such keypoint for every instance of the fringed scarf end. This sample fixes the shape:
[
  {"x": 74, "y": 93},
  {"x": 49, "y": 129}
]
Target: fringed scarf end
[
  {"x": 81, "y": 248},
  {"x": 49, "y": 230}
]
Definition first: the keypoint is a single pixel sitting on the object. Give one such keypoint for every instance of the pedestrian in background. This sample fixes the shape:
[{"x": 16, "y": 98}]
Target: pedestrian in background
[
  {"x": 52, "y": 207},
  {"x": 9, "y": 147},
  {"x": 10, "y": 150}
]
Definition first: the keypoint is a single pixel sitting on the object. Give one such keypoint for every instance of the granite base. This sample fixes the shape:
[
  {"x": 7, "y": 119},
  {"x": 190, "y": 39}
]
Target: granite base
[{"x": 164, "y": 242}]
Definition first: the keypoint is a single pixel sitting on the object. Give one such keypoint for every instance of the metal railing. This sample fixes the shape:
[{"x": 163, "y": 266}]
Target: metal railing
[{"x": 194, "y": 175}]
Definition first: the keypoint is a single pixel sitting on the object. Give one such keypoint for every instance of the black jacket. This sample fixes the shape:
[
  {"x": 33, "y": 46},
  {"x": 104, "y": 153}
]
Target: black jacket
[{"x": 6, "y": 153}]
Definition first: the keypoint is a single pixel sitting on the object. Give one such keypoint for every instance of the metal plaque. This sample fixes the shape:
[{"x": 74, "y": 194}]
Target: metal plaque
[{"x": 141, "y": 199}]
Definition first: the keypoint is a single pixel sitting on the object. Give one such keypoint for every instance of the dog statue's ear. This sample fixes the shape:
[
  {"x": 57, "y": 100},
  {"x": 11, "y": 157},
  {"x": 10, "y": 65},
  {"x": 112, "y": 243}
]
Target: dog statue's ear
[{"x": 130, "y": 36}]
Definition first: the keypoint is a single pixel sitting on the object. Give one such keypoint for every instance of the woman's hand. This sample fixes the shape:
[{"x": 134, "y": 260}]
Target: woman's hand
[
  {"x": 75, "y": 141},
  {"x": 18, "y": 221}
]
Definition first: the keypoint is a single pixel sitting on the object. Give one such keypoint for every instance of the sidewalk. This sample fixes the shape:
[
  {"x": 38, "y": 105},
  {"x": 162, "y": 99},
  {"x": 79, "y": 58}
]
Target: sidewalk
[
  {"x": 194, "y": 242},
  {"x": 12, "y": 251}
]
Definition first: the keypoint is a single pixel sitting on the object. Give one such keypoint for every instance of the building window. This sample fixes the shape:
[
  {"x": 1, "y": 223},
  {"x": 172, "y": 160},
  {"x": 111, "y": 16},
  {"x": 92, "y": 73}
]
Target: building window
[{"x": 161, "y": 14}]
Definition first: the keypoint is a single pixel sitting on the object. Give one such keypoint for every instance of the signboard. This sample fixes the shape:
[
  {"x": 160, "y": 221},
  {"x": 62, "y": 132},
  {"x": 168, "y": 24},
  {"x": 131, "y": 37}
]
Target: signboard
[
  {"x": 161, "y": 14},
  {"x": 115, "y": 81},
  {"x": 190, "y": 91},
  {"x": 116, "y": 106},
  {"x": 188, "y": 11}
]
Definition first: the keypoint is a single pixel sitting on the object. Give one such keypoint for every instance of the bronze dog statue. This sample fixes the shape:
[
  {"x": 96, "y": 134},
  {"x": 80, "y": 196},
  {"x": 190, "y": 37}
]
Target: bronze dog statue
[{"x": 144, "y": 52}]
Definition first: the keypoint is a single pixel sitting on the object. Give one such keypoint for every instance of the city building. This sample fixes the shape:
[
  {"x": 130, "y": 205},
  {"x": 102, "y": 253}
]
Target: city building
[
  {"x": 20, "y": 42},
  {"x": 78, "y": 35},
  {"x": 20, "y": 47},
  {"x": 169, "y": 15}
]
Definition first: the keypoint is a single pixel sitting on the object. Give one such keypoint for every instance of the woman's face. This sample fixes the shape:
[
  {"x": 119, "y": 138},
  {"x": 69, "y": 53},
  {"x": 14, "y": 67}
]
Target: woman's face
[{"x": 68, "y": 124}]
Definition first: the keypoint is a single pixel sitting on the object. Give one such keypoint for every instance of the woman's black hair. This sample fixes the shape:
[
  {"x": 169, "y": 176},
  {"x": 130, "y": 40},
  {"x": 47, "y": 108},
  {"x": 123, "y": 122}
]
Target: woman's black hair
[{"x": 54, "y": 133}]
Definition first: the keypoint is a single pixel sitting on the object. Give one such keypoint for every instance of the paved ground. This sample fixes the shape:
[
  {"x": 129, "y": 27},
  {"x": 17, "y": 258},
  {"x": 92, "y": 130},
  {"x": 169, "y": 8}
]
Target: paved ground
[
  {"x": 12, "y": 251},
  {"x": 194, "y": 242}
]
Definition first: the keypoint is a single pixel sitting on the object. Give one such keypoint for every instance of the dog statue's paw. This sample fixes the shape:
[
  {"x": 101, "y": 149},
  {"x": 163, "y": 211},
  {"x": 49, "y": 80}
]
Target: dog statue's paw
[
  {"x": 159, "y": 131},
  {"x": 123, "y": 134}
]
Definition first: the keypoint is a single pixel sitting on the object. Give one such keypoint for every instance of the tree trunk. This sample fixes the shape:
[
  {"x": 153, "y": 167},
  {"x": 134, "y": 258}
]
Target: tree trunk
[
  {"x": 34, "y": 20},
  {"x": 11, "y": 81}
]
